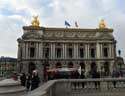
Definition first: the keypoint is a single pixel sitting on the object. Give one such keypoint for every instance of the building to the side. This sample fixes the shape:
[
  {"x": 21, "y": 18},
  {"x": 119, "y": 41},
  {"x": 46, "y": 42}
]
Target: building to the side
[
  {"x": 92, "y": 49},
  {"x": 8, "y": 66}
]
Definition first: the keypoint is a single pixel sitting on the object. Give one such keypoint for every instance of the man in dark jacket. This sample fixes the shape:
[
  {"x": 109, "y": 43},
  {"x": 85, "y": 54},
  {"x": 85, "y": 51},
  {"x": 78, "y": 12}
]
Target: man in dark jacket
[
  {"x": 23, "y": 79},
  {"x": 35, "y": 80},
  {"x": 95, "y": 75},
  {"x": 82, "y": 77}
]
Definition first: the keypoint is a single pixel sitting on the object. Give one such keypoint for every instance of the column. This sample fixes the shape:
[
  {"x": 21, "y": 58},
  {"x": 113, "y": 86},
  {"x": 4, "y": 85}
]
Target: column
[
  {"x": 51, "y": 46},
  {"x": 101, "y": 56},
  {"x": 23, "y": 50},
  {"x": 41, "y": 50},
  {"x": 28, "y": 53},
  {"x": 98, "y": 50},
  {"x": 53, "y": 51},
  {"x": 26, "y": 50},
  {"x": 86, "y": 68},
  {"x": 74, "y": 51},
  {"x": 36, "y": 52},
  {"x": 113, "y": 50},
  {"x": 77, "y": 55},
  {"x": 86, "y": 50},
  {"x": 110, "y": 50},
  {"x": 111, "y": 66},
  {"x": 98, "y": 66},
  {"x": 63, "y": 51}
]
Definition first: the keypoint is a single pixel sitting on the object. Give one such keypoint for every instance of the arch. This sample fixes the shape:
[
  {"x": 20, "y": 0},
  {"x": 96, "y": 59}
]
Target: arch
[
  {"x": 70, "y": 65},
  {"x": 58, "y": 65},
  {"x": 31, "y": 67},
  {"x": 106, "y": 68},
  {"x": 82, "y": 64},
  {"x": 93, "y": 66},
  {"x": 46, "y": 64}
]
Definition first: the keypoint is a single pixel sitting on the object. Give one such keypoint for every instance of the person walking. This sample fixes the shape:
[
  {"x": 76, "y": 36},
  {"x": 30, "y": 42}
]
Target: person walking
[
  {"x": 23, "y": 79},
  {"x": 28, "y": 82},
  {"x": 96, "y": 75},
  {"x": 82, "y": 77},
  {"x": 115, "y": 74},
  {"x": 35, "y": 80}
]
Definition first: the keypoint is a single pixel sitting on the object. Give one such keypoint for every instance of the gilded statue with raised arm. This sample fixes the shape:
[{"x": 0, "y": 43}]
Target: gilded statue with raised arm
[{"x": 35, "y": 21}]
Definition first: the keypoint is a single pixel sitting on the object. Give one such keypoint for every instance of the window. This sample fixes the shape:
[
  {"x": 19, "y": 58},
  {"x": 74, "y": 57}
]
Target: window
[
  {"x": 82, "y": 66},
  {"x": 32, "y": 52},
  {"x": 58, "y": 52},
  {"x": 46, "y": 52},
  {"x": 32, "y": 67},
  {"x": 92, "y": 52},
  {"x": 105, "y": 52},
  {"x": 70, "y": 52},
  {"x": 58, "y": 65},
  {"x": 81, "y": 52}
]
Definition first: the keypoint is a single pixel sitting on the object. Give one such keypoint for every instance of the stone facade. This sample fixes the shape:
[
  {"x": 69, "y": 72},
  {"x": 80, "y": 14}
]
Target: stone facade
[
  {"x": 8, "y": 66},
  {"x": 41, "y": 47}
]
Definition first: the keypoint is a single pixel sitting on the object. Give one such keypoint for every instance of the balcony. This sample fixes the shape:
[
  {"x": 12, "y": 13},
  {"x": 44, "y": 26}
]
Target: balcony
[{"x": 81, "y": 87}]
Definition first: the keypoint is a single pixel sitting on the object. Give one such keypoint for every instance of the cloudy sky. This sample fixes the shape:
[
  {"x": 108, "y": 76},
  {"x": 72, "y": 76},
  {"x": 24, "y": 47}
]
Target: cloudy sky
[{"x": 16, "y": 13}]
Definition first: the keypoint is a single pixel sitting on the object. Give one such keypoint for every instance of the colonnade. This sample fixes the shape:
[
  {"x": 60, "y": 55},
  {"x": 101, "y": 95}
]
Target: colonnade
[{"x": 39, "y": 54}]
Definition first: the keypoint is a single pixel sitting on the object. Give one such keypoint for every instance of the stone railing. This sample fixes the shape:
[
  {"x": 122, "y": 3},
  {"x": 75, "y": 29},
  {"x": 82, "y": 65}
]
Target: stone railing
[
  {"x": 82, "y": 87},
  {"x": 47, "y": 89}
]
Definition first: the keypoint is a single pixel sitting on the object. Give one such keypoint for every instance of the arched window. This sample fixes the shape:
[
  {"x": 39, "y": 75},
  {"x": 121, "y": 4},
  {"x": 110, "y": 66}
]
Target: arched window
[
  {"x": 70, "y": 65},
  {"x": 82, "y": 65},
  {"x": 58, "y": 65},
  {"x": 31, "y": 67},
  {"x": 93, "y": 66}
]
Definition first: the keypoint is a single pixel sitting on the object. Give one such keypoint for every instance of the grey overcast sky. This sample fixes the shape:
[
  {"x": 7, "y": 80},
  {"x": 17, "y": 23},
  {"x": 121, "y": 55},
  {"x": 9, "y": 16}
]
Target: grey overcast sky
[{"x": 52, "y": 13}]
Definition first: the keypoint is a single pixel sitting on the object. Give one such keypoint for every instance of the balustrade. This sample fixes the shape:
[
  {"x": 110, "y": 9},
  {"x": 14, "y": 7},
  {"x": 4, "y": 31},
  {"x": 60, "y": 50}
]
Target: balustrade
[{"x": 82, "y": 87}]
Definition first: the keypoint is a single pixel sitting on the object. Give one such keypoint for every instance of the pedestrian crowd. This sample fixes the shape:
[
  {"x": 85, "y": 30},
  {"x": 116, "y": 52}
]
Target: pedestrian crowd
[{"x": 30, "y": 81}]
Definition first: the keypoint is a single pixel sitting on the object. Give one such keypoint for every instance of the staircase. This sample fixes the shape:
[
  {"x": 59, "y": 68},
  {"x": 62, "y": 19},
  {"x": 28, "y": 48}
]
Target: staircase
[{"x": 10, "y": 87}]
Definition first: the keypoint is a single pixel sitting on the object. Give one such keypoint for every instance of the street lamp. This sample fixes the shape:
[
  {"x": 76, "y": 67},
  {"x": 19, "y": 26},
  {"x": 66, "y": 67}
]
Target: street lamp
[
  {"x": 119, "y": 63},
  {"x": 119, "y": 52},
  {"x": 5, "y": 71},
  {"x": 45, "y": 64}
]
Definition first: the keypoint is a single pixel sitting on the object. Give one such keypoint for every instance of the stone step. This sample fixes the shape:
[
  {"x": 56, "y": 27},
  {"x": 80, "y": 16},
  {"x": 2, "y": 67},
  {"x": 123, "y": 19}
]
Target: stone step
[
  {"x": 10, "y": 87},
  {"x": 13, "y": 91}
]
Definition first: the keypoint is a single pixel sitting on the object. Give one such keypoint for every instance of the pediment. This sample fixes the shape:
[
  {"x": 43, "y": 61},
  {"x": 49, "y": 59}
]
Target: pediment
[{"x": 31, "y": 35}]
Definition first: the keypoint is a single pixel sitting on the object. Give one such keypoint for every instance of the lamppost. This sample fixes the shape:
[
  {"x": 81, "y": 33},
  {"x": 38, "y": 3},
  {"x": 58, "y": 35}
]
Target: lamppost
[
  {"x": 45, "y": 64},
  {"x": 119, "y": 52},
  {"x": 5, "y": 66},
  {"x": 119, "y": 63}
]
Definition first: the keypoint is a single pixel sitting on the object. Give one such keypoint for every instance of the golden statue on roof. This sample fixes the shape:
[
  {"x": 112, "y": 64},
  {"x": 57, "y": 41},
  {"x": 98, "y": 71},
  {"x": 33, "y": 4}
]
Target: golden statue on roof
[
  {"x": 102, "y": 24},
  {"x": 35, "y": 21}
]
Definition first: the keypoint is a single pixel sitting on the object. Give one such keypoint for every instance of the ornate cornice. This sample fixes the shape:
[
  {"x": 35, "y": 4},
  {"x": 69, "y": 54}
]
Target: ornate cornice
[
  {"x": 31, "y": 35},
  {"x": 78, "y": 29},
  {"x": 66, "y": 29},
  {"x": 32, "y": 28}
]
